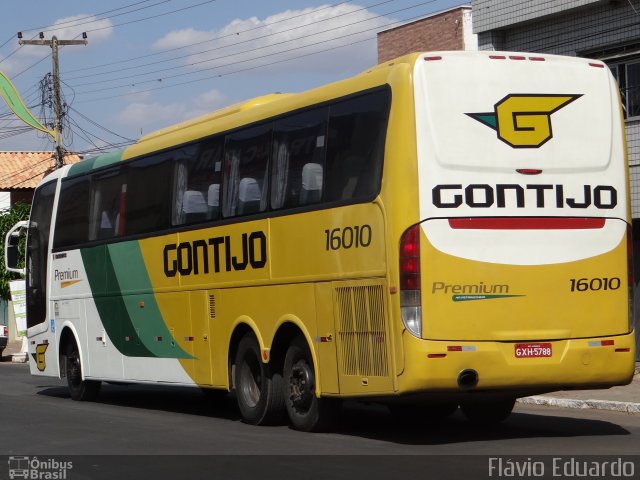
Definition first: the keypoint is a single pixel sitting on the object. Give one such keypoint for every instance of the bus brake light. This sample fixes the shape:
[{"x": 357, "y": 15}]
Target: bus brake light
[{"x": 410, "y": 302}]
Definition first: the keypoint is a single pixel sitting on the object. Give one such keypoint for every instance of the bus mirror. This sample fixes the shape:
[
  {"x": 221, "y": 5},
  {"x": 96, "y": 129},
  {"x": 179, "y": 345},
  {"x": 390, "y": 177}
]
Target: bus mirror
[{"x": 12, "y": 247}]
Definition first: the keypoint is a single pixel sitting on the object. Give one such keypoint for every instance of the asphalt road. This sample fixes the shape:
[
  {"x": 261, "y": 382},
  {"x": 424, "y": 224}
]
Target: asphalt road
[{"x": 37, "y": 417}]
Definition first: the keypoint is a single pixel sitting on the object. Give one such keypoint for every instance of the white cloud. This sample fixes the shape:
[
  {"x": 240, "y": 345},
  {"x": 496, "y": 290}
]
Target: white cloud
[
  {"x": 146, "y": 116},
  {"x": 252, "y": 41}
]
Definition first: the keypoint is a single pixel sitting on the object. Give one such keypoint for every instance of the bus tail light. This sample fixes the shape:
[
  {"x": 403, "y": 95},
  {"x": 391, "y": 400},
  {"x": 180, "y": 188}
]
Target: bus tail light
[
  {"x": 410, "y": 303},
  {"x": 630, "y": 276}
]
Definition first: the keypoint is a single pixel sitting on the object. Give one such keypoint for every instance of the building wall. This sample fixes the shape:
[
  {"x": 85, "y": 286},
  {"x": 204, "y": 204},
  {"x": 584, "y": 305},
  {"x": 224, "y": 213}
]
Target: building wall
[
  {"x": 495, "y": 14},
  {"x": 25, "y": 196},
  {"x": 449, "y": 30},
  {"x": 576, "y": 32}
]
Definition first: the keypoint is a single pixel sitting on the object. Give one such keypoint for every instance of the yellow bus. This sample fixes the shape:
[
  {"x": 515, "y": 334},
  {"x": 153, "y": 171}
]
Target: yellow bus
[{"x": 447, "y": 229}]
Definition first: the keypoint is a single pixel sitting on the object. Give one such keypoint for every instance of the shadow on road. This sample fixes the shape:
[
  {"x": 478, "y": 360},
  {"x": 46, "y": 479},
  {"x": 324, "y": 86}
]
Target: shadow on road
[{"x": 369, "y": 421}]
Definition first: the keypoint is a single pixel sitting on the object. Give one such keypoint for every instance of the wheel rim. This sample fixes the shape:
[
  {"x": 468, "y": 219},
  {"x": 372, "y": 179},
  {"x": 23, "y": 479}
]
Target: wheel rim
[
  {"x": 301, "y": 386},
  {"x": 250, "y": 381}
]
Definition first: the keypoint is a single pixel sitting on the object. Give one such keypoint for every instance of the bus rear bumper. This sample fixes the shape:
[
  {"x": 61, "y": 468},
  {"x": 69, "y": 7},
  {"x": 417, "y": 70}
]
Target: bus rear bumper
[{"x": 584, "y": 363}]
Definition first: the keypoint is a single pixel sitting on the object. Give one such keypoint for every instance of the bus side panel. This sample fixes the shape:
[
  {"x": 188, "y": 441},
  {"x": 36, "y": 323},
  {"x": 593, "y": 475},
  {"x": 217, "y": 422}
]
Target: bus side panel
[{"x": 264, "y": 310}]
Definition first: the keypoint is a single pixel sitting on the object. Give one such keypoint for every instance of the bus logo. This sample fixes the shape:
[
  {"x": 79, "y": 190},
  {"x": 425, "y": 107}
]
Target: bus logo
[{"x": 524, "y": 120}]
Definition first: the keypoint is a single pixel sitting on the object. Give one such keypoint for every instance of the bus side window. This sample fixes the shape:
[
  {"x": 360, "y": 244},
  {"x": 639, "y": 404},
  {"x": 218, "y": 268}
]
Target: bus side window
[
  {"x": 197, "y": 169},
  {"x": 107, "y": 212},
  {"x": 246, "y": 165},
  {"x": 213, "y": 201},
  {"x": 72, "y": 220},
  {"x": 299, "y": 149},
  {"x": 148, "y": 206},
  {"x": 311, "y": 190},
  {"x": 357, "y": 131}
]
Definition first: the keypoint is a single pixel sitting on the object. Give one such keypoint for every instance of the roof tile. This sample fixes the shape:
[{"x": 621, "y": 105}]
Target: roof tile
[{"x": 24, "y": 170}]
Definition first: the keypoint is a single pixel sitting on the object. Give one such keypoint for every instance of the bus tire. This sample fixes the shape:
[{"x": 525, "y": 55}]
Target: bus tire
[
  {"x": 306, "y": 411},
  {"x": 79, "y": 389},
  {"x": 488, "y": 412},
  {"x": 258, "y": 388}
]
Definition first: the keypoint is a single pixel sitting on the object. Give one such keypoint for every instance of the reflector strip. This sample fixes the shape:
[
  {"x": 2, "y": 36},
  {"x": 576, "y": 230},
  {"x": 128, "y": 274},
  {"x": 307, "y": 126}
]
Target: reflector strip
[
  {"x": 601, "y": 343},
  {"x": 461, "y": 348},
  {"x": 429, "y": 59},
  {"x": 436, "y": 355},
  {"x": 526, "y": 223},
  {"x": 623, "y": 350}
]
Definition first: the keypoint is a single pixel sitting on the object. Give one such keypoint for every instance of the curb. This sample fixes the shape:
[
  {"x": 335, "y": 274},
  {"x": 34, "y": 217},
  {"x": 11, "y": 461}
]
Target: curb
[
  {"x": 19, "y": 358},
  {"x": 627, "y": 407}
]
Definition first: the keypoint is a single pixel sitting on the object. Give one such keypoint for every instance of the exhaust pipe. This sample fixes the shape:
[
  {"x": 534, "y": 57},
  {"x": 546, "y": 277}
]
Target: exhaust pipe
[{"x": 467, "y": 378}]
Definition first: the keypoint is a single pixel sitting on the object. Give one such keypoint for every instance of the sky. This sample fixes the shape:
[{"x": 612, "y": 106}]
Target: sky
[{"x": 151, "y": 63}]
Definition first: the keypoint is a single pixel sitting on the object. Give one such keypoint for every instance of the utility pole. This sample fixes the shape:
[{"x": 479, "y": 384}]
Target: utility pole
[{"x": 57, "y": 103}]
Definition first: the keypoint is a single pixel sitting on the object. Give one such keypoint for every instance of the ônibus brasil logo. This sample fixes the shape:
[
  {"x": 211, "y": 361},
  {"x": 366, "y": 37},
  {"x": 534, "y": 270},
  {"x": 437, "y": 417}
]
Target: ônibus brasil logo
[{"x": 524, "y": 120}]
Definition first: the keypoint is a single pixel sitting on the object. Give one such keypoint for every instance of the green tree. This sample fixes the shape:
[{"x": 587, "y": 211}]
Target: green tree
[{"x": 8, "y": 218}]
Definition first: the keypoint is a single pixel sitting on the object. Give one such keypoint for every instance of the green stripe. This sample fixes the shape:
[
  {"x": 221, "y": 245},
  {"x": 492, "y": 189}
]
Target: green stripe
[
  {"x": 131, "y": 275},
  {"x": 467, "y": 298},
  {"x": 96, "y": 162},
  {"x": 119, "y": 282}
]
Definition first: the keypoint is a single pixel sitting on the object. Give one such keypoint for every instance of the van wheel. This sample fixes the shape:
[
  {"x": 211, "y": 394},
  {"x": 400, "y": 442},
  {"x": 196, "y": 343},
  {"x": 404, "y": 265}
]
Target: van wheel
[
  {"x": 79, "y": 389},
  {"x": 306, "y": 411},
  {"x": 488, "y": 412},
  {"x": 258, "y": 389}
]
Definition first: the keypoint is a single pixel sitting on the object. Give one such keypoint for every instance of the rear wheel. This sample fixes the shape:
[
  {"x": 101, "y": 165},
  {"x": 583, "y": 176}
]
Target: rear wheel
[
  {"x": 82, "y": 390},
  {"x": 488, "y": 412},
  {"x": 258, "y": 388},
  {"x": 306, "y": 411}
]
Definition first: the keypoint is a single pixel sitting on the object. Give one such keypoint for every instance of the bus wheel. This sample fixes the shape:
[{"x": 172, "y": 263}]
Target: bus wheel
[
  {"x": 258, "y": 389},
  {"x": 488, "y": 412},
  {"x": 82, "y": 390},
  {"x": 306, "y": 411}
]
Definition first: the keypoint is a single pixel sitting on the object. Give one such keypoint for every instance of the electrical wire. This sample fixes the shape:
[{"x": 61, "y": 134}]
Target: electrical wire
[
  {"x": 232, "y": 34},
  {"x": 258, "y": 57},
  {"x": 246, "y": 41}
]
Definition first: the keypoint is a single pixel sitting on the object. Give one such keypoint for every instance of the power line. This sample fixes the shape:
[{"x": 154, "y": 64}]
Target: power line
[
  {"x": 228, "y": 73},
  {"x": 251, "y": 50},
  {"x": 153, "y": 16},
  {"x": 246, "y": 41},
  {"x": 75, "y": 22},
  {"x": 233, "y": 34}
]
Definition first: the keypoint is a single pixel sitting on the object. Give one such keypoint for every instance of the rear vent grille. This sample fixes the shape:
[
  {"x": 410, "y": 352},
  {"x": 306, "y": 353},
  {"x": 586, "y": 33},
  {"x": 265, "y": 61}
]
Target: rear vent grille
[
  {"x": 362, "y": 330},
  {"x": 212, "y": 306}
]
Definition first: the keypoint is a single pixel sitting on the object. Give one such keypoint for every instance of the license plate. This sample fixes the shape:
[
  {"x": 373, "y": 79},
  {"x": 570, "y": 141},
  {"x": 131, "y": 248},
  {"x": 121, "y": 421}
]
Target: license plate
[{"x": 532, "y": 350}]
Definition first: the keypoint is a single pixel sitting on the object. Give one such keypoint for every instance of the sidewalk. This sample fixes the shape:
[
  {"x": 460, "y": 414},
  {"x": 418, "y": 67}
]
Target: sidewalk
[{"x": 621, "y": 399}]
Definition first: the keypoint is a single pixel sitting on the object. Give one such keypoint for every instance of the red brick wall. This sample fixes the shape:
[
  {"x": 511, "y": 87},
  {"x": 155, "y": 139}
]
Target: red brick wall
[{"x": 438, "y": 32}]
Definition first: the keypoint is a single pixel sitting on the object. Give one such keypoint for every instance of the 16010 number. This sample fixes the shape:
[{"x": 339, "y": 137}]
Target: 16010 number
[
  {"x": 594, "y": 284},
  {"x": 348, "y": 237}
]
